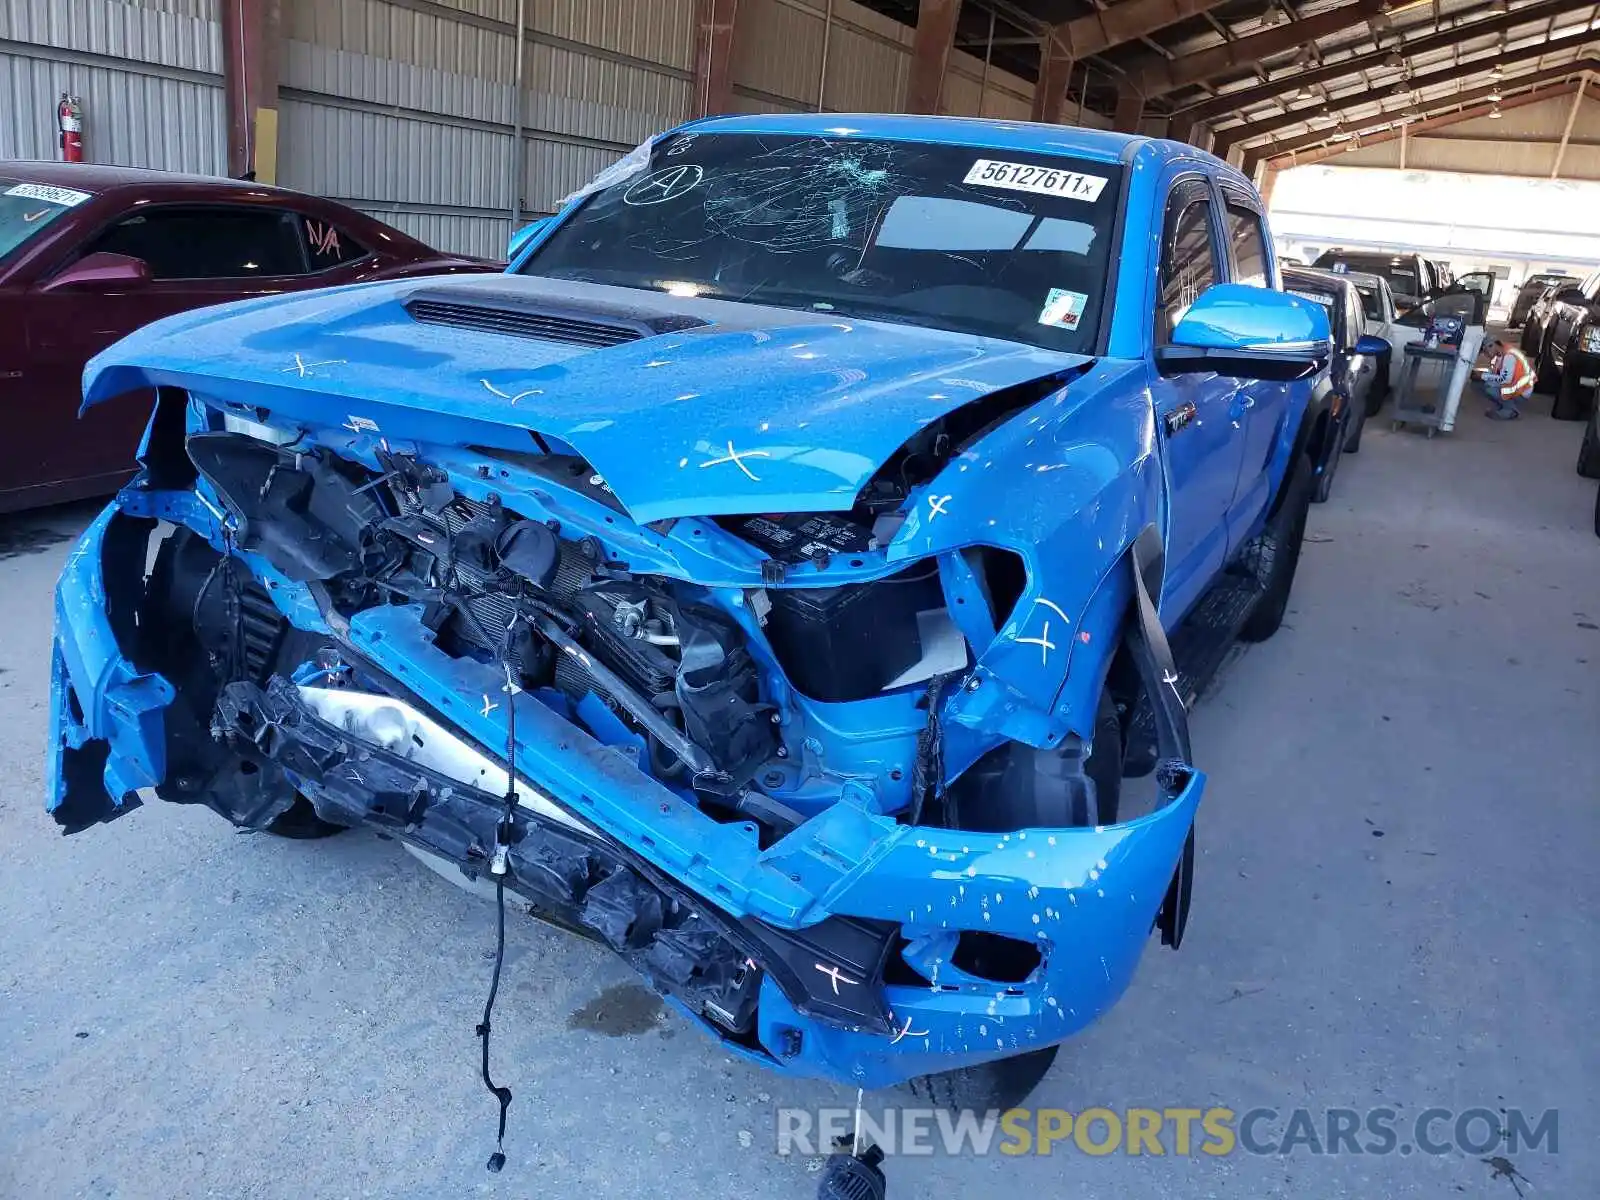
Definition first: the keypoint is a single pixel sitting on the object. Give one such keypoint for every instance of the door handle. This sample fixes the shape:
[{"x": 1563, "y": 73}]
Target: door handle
[{"x": 1242, "y": 402}]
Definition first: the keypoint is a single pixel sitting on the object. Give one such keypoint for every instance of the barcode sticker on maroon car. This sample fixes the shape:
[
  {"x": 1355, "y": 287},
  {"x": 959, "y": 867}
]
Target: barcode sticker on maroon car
[
  {"x": 1046, "y": 181},
  {"x": 66, "y": 197}
]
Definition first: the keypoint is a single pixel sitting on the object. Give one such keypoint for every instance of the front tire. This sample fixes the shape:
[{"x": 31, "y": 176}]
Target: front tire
[
  {"x": 1002, "y": 1084},
  {"x": 300, "y": 823},
  {"x": 1573, "y": 401},
  {"x": 1546, "y": 378},
  {"x": 1589, "y": 449},
  {"x": 1276, "y": 554}
]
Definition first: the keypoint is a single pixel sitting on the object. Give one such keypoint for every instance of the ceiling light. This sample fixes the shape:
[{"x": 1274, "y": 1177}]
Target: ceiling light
[
  {"x": 1394, "y": 59},
  {"x": 1495, "y": 114},
  {"x": 1494, "y": 96},
  {"x": 1496, "y": 71}
]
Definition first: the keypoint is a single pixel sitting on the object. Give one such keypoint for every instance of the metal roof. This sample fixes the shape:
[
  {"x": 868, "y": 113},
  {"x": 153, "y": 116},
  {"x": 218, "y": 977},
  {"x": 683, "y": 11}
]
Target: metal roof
[{"x": 1265, "y": 74}]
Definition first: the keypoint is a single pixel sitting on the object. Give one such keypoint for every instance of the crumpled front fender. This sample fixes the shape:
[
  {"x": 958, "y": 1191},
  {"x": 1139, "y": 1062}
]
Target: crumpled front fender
[{"x": 106, "y": 730}]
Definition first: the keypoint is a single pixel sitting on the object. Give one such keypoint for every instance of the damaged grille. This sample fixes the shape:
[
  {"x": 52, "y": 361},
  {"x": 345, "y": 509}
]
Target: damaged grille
[{"x": 516, "y": 322}]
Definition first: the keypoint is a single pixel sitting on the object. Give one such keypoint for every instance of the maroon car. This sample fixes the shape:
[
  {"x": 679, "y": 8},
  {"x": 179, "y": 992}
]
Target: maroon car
[{"x": 90, "y": 253}]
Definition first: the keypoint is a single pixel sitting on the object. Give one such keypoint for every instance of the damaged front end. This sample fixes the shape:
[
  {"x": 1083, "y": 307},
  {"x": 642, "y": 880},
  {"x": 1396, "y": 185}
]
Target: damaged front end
[{"x": 754, "y": 754}]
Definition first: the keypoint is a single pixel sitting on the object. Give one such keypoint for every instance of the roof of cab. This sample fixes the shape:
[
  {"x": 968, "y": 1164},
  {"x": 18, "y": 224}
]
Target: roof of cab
[{"x": 1098, "y": 144}]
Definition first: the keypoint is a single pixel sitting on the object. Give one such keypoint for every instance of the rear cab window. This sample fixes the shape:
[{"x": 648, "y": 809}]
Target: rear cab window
[
  {"x": 1251, "y": 262},
  {"x": 327, "y": 245},
  {"x": 28, "y": 209}
]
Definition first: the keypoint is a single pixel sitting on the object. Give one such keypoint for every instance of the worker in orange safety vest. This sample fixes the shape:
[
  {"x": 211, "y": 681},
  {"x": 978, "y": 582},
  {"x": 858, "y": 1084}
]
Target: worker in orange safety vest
[{"x": 1509, "y": 381}]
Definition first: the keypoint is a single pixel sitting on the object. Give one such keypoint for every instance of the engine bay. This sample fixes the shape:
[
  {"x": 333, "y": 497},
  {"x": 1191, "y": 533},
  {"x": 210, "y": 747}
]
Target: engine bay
[{"x": 711, "y": 684}]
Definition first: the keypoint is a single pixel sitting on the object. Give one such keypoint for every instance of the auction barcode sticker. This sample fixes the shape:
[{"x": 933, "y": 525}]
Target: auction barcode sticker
[
  {"x": 66, "y": 197},
  {"x": 1045, "y": 181}
]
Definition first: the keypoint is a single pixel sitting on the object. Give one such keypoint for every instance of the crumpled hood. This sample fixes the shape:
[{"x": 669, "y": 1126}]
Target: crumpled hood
[{"x": 734, "y": 408}]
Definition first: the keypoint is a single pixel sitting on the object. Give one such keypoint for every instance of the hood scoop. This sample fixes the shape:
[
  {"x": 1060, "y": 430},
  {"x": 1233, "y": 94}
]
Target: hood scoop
[{"x": 596, "y": 328}]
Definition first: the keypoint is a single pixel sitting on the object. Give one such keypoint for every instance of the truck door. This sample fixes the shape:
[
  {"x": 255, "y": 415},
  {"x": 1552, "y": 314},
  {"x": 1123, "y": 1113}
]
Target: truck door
[
  {"x": 1260, "y": 407},
  {"x": 1201, "y": 443}
]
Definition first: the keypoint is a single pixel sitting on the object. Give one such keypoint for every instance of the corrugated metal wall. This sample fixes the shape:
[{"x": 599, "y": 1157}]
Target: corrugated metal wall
[
  {"x": 404, "y": 108},
  {"x": 778, "y": 64},
  {"x": 149, "y": 74}
]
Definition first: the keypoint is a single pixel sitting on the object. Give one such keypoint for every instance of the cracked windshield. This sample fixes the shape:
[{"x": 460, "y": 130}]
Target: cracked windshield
[{"x": 979, "y": 241}]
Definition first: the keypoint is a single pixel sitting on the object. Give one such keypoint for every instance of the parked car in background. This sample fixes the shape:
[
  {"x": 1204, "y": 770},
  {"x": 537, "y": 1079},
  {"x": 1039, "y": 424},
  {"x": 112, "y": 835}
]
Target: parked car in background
[
  {"x": 1566, "y": 354},
  {"x": 1355, "y": 372},
  {"x": 90, "y": 253},
  {"x": 1382, "y": 320},
  {"x": 1533, "y": 324},
  {"x": 1410, "y": 276},
  {"x": 1532, "y": 288}
]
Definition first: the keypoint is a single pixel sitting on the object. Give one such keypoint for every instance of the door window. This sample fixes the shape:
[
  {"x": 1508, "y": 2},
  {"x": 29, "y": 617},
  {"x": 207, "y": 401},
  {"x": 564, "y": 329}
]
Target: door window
[
  {"x": 208, "y": 243},
  {"x": 1188, "y": 258},
  {"x": 1249, "y": 246}
]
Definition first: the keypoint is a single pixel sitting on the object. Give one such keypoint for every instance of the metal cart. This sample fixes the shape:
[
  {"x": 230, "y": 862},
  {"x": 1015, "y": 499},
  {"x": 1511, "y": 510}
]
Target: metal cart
[{"x": 1427, "y": 395}]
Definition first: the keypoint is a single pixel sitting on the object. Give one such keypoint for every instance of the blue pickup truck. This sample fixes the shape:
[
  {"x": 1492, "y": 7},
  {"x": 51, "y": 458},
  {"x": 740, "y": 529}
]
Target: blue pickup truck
[{"x": 778, "y": 574}]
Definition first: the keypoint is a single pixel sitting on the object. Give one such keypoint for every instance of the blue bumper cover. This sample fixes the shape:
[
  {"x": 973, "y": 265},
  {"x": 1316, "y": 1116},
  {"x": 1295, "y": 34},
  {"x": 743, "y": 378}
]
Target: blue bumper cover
[{"x": 1087, "y": 897}]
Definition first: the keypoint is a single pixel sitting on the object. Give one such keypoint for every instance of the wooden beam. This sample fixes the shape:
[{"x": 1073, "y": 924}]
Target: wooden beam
[
  {"x": 252, "y": 40},
  {"x": 1157, "y": 77},
  {"x": 930, "y": 54},
  {"x": 1130, "y": 107},
  {"x": 1127, "y": 21},
  {"x": 1232, "y": 102},
  {"x": 1055, "y": 72},
  {"x": 1566, "y": 133},
  {"x": 1320, "y": 153},
  {"x": 1228, "y": 138},
  {"x": 1470, "y": 96},
  {"x": 715, "y": 21}
]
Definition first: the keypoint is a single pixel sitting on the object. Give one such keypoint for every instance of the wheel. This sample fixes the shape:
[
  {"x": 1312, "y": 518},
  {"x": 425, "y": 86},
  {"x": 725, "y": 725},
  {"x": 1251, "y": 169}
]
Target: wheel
[
  {"x": 1275, "y": 552},
  {"x": 1003, "y": 1084},
  {"x": 1546, "y": 378},
  {"x": 1324, "y": 484},
  {"x": 1358, "y": 423},
  {"x": 300, "y": 822},
  {"x": 1589, "y": 449},
  {"x": 1379, "y": 391},
  {"x": 1573, "y": 401}
]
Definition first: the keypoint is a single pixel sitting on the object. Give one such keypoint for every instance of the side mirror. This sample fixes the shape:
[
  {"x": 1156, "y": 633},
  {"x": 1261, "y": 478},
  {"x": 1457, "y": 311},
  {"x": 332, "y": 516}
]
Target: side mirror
[
  {"x": 1371, "y": 346},
  {"x": 522, "y": 237},
  {"x": 1251, "y": 332},
  {"x": 101, "y": 271},
  {"x": 1571, "y": 295}
]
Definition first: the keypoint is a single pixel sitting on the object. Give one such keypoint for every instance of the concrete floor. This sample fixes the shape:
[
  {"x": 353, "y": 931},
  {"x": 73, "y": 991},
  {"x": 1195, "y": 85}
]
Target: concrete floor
[{"x": 185, "y": 1011}]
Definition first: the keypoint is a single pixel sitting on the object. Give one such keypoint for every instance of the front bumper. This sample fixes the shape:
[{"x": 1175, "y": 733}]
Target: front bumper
[{"x": 807, "y": 913}]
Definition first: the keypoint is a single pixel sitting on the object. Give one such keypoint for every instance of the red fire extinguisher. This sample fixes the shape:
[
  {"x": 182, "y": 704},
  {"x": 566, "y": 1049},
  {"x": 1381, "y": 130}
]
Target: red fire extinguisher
[{"x": 69, "y": 115}]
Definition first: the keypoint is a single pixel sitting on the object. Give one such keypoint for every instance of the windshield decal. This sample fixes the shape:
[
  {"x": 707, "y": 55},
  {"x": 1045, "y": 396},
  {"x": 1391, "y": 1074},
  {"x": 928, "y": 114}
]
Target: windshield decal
[
  {"x": 1063, "y": 309},
  {"x": 65, "y": 197},
  {"x": 1045, "y": 181}
]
